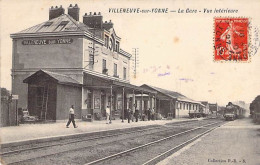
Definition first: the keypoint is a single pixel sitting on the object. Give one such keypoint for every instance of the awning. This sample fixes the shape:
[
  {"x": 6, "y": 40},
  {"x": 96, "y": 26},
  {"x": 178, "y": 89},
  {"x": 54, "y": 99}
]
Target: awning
[
  {"x": 171, "y": 94},
  {"x": 101, "y": 81},
  {"x": 59, "y": 78}
]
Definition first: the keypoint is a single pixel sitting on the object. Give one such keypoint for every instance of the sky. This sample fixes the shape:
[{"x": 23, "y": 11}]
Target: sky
[{"x": 175, "y": 50}]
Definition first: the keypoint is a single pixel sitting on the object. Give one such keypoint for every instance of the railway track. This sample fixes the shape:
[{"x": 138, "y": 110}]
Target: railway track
[
  {"x": 73, "y": 141},
  {"x": 160, "y": 156},
  {"x": 94, "y": 138},
  {"x": 167, "y": 153}
]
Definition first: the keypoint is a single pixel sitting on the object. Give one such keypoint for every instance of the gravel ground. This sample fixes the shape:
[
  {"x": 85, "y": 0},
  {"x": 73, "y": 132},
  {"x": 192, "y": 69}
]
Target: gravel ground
[{"x": 237, "y": 142}]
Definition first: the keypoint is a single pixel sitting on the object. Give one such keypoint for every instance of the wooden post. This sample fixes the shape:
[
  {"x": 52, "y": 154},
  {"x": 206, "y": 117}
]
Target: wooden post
[
  {"x": 159, "y": 108},
  {"x": 142, "y": 105},
  {"x": 16, "y": 110},
  {"x": 149, "y": 101},
  {"x": 189, "y": 111},
  {"x": 123, "y": 105},
  {"x": 155, "y": 106},
  {"x": 111, "y": 99},
  {"x": 133, "y": 101},
  {"x": 171, "y": 106}
]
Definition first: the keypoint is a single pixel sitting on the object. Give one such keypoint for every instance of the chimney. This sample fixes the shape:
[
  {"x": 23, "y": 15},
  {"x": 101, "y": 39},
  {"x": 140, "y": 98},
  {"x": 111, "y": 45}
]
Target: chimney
[
  {"x": 93, "y": 21},
  {"x": 108, "y": 25},
  {"x": 73, "y": 11},
  {"x": 55, "y": 12}
]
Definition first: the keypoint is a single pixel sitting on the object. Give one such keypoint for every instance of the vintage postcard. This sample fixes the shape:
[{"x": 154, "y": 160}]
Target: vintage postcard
[{"x": 130, "y": 82}]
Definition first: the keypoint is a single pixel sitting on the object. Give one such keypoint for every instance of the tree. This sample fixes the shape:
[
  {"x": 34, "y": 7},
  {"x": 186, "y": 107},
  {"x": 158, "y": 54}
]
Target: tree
[{"x": 5, "y": 92}]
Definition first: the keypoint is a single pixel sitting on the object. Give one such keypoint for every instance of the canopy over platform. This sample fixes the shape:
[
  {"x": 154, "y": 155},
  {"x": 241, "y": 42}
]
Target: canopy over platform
[{"x": 97, "y": 81}]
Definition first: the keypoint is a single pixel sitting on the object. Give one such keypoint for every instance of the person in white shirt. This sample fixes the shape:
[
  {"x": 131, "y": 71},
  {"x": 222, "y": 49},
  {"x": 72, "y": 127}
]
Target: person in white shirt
[
  {"x": 71, "y": 117},
  {"x": 108, "y": 114}
]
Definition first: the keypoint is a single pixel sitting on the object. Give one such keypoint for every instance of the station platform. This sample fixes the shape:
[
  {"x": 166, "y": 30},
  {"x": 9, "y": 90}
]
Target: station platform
[{"x": 32, "y": 132}]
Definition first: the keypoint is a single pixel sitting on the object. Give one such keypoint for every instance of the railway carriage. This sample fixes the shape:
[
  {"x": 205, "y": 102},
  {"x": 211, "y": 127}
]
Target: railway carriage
[{"x": 199, "y": 112}]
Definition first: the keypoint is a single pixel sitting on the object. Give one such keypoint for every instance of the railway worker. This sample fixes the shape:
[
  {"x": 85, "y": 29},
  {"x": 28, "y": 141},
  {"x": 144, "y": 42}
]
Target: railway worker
[
  {"x": 71, "y": 117},
  {"x": 144, "y": 114},
  {"x": 129, "y": 111},
  {"x": 149, "y": 114},
  {"x": 108, "y": 113},
  {"x": 152, "y": 113},
  {"x": 136, "y": 114},
  {"x": 132, "y": 115}
]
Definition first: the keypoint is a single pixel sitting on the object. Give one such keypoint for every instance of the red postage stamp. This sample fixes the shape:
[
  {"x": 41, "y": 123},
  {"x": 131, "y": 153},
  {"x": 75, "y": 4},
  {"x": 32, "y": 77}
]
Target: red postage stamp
[{"x": 231, "y": 39}]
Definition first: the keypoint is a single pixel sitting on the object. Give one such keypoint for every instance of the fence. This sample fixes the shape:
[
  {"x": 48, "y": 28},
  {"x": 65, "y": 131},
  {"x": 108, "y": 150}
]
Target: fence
[{"x": 8, "y": 112}]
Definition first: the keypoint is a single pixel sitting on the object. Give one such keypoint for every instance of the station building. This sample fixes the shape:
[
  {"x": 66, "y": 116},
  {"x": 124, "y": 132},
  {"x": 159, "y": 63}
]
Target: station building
[
  {"x": 170, "y": 104},
  {"x": 63, "y": 62}
]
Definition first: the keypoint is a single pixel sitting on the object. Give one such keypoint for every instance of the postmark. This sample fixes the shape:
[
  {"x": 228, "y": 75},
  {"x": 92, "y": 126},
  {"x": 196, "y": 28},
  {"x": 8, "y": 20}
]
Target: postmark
[{"x": 231, "y": 39}]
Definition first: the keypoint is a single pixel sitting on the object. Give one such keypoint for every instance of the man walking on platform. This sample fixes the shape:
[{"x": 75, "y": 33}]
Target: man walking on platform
[
  {"x": 71, "y": 117},
  {"x": 108, "y": 114}
]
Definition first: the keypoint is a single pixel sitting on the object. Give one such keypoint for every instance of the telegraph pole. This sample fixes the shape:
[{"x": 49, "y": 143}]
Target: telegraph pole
[{"x": 135, "y": 61}]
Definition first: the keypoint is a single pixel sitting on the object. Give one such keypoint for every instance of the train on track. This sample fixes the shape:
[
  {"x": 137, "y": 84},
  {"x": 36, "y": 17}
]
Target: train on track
[
  {"x": 255, "y": 109},
  {"x": 232, "y": 112}
]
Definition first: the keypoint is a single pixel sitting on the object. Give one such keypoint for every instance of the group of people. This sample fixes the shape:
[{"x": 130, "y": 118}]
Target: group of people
[{"x": 150, "y": 113}]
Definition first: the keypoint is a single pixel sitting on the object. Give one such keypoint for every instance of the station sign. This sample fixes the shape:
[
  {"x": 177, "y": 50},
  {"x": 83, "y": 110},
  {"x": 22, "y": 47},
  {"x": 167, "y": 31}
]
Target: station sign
[
  {"x": 47, "y": 41},
  {"x": 15, "y": 97}
]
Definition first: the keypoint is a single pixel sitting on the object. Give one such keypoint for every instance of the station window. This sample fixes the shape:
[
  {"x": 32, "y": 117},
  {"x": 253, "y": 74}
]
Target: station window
[
  {"x": 115, "y": 70},
  {"x": 91, "y": 61},
  {"x": 45, "y": 26},
  {"x": 125, "y": 73},
  {"x": 117, "y": 46},
  {"x": 61, "y": 25},
  {"x": 106, "y": 41},
  {"x": 104, "y": 66},
  {"x": 180, "y": 105},
  {"x": 89, "y": 101}
]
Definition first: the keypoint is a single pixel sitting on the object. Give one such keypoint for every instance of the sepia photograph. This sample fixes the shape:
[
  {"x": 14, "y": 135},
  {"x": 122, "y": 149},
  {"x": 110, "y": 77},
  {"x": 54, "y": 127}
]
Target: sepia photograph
[{"x": 131, "y": 82}]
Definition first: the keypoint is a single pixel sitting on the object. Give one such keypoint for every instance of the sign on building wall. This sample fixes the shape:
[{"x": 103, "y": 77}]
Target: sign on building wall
[
  {"x": 48, "y": 41},
  {"x": 97, "y": 103}
]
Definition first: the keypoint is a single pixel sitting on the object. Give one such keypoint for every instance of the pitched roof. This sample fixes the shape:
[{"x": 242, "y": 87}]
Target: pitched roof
[
  {"x": 116, "y": 81},
  {"x": 61, "y": 78},
  {"x": 172, "y": 94},
  {"x": 64, "y": 23},
  {"x": 204, "y": 103},
  {"x": 59, "y": 24}
]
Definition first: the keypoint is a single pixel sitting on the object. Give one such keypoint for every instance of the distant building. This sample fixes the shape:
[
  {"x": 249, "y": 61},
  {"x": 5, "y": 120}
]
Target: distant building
[
  {"x": 169, "y": 102},
  {"x": 205, "y": 107},
  {"x": 63, "y": 62},
  {"x": 213, "y": 108}
]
